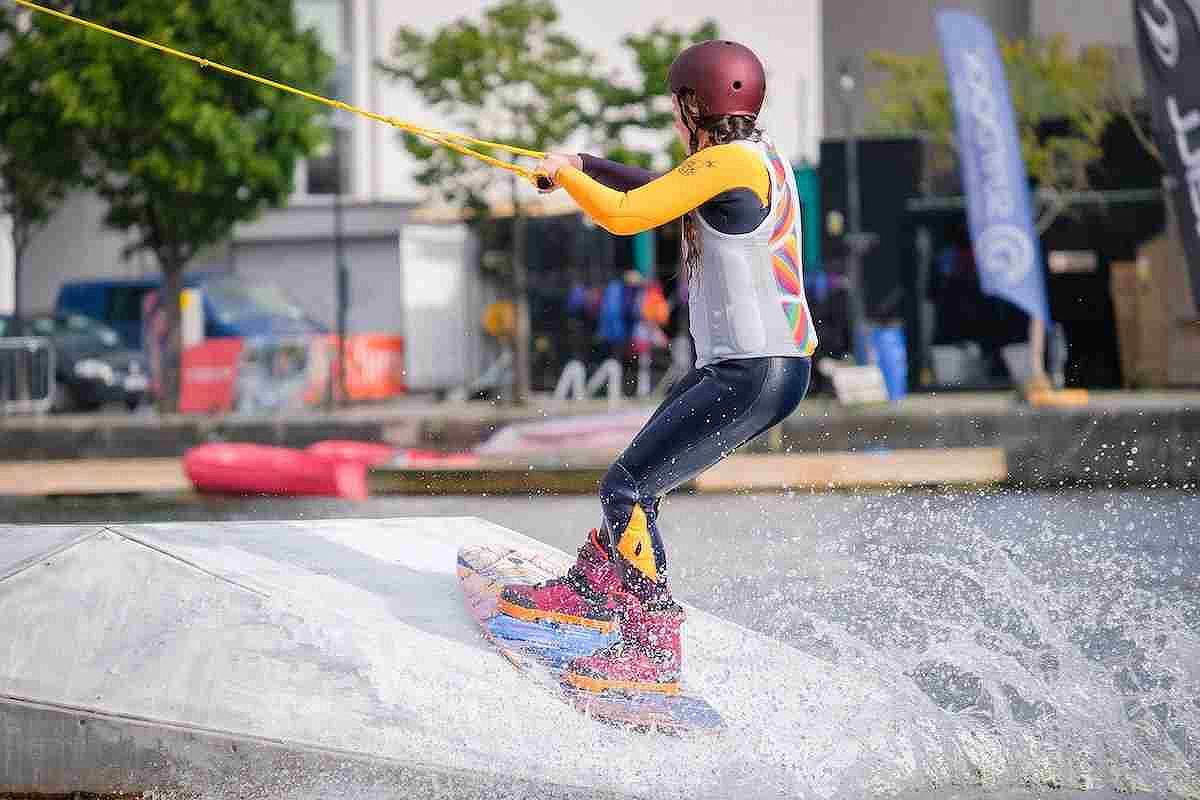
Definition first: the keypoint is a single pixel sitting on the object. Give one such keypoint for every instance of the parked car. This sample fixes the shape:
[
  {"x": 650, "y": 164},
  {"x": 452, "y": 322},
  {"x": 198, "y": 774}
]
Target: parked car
[
  {"x": 231, "y": 307},
  {"x": 92, "y": 367}
]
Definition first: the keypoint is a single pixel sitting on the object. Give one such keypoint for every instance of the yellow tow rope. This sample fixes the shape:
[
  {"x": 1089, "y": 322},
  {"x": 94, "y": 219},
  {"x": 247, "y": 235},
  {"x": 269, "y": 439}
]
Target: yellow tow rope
[{"x": 454, "y": 141}]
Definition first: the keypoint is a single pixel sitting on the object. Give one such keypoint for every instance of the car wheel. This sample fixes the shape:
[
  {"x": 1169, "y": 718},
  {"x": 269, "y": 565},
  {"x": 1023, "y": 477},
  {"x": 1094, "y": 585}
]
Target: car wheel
[{"x": 64, "y": 398}]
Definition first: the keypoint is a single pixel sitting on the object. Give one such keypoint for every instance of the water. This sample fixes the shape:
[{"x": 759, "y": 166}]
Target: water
[{"x": 1053, "y": 639}]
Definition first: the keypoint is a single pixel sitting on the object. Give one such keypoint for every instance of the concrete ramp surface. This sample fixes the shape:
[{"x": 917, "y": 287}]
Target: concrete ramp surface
[{"x": 336, "y": 659}]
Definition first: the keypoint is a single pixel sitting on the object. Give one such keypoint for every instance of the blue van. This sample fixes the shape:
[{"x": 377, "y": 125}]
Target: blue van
[{"x": 232, "y": 307}]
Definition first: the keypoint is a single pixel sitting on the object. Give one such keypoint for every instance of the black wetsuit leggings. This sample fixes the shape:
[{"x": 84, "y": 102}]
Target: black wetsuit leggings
[{"x": 707, "y": 415}]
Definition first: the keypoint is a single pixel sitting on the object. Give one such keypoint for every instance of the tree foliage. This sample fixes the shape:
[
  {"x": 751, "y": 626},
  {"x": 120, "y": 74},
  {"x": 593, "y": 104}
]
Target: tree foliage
[
  {"x": 644, "y": 105},
  {"x": 517, "y": 77},
  {"x": 179, "y": 154},
  {"x": 512, "y": 76},
  {"x": 39, "y": 159},
  {"x": 1063, "y": 101}
]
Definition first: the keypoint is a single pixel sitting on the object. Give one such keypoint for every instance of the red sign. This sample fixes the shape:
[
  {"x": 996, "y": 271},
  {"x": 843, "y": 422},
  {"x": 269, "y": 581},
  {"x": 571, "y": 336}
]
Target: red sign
[{"x": 208, "y": 378}]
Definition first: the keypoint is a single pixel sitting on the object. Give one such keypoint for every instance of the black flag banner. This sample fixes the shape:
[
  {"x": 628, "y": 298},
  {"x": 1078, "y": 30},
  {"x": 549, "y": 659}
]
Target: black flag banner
[{"x": 1168, "y": 36}]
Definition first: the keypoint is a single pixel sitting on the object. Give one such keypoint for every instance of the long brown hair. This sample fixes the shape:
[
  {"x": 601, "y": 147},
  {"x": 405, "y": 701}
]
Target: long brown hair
[{"x": 721, "y": 129}]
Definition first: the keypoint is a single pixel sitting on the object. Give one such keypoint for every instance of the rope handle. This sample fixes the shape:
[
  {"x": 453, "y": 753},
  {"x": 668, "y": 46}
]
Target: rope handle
[{"x": 454, "y": 141}]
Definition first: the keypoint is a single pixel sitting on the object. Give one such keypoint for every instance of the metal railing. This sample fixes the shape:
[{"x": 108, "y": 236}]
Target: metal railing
[
  {"x": 26, "y": 375},
  {"x": 574, "y": 383}
]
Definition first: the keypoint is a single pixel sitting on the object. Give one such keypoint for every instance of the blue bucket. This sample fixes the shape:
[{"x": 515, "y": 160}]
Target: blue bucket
[{"x": 891, "y": 353}]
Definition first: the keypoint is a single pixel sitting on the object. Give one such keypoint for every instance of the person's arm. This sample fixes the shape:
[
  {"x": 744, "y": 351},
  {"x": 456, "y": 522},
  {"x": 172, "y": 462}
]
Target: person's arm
[
  {"x": 697, "y": 180},
  {"x": 615, "y": 175}
]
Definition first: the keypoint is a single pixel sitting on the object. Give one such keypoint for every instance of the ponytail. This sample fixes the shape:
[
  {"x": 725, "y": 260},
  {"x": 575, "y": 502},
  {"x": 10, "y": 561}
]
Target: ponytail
[{"x": 721, "y": 129}]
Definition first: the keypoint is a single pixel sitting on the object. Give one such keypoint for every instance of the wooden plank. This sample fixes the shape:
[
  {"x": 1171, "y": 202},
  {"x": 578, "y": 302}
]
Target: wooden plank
[
  {"x": 511, "y": 479},
  {"x": 1059, "y": 398},
  {"x": 969, "y": 466},
  {"x": 844, "y": 470},
  {"x": 93, "y": 476}
]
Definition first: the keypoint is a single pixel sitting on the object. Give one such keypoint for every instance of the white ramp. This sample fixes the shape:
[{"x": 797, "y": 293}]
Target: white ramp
[{"x": 336, "y": 659}]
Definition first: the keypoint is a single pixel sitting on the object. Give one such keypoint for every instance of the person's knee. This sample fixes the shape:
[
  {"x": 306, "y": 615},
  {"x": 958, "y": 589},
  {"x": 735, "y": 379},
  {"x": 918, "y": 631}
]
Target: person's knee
[{"x": 617, "y": 488}]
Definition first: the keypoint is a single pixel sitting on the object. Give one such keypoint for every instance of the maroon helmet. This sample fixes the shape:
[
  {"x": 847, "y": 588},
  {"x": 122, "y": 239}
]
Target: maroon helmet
[{"x": 726, "y": 77}]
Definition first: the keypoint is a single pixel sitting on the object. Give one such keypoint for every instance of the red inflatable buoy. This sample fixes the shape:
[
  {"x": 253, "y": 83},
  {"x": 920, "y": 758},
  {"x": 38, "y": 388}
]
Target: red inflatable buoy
[
  {"x": 341, "y": 450},
  {"x": 235, "y": 468}
]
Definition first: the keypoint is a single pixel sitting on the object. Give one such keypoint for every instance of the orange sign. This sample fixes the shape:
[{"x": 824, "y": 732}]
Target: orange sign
[{"x": 374, "y": 366}]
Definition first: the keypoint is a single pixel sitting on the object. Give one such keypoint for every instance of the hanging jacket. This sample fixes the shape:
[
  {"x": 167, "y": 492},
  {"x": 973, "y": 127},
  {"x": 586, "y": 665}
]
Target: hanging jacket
[{"x": 613, "y": 328}]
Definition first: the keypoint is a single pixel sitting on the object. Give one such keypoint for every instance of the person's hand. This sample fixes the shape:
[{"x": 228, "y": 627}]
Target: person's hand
[{"x": 553, "y": 162}]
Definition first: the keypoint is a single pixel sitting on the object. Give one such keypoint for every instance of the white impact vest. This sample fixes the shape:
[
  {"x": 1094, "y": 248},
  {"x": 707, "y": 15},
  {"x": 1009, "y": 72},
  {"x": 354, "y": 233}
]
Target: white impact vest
[{"x": 747, "y": 299}]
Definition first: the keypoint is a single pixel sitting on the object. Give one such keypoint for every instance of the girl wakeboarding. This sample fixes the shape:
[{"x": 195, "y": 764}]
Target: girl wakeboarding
[
  {"x": 754, "y": 341},
  {"x": 749, "y": 319}
]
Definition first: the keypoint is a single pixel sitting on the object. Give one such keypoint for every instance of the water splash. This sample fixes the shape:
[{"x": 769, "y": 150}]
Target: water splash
[{"x": 1056, "y": 638}]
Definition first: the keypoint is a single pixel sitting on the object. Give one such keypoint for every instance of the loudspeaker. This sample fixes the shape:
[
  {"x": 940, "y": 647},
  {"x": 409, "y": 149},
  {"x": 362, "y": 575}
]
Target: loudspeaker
[{"x": 890, "y": 174}]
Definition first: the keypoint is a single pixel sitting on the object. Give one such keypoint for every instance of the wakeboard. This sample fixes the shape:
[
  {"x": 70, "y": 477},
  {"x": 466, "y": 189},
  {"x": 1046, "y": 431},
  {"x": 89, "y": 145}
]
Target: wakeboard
[{"x": 543, "y": 650}]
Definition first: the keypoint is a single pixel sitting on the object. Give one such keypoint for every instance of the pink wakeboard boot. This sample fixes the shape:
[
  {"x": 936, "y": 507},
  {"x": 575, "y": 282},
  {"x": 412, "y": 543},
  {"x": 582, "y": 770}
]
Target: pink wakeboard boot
[
  {"x": 647, "y": 658},
  {"x": 582, "y": 597}
]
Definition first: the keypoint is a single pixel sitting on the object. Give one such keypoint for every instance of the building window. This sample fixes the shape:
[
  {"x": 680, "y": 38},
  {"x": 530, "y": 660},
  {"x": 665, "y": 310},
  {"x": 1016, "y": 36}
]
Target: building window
[
  {"x": 331, "y": 20},
  {"x": 323, "y": 176},
  {"x": 328, "y": 18}
]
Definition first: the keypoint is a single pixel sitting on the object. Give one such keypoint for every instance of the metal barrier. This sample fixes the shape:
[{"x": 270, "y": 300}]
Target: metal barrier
[
  {"x": 574, "y": 384},
  {"x": 26, "y": 375}
]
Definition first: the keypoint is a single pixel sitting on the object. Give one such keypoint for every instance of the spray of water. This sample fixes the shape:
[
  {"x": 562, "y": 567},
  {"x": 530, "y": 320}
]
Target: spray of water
[{"x": 1055, "y": 639}]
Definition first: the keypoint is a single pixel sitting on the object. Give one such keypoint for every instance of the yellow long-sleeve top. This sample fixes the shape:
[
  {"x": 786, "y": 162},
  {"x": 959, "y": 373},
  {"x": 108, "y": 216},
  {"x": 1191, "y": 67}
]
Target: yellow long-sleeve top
[{"x": 697, "y": 180}]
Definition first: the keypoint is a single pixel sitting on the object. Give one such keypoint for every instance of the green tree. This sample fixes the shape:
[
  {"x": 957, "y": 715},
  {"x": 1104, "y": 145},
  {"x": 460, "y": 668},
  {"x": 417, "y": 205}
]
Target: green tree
[
  {"x": 180, "y": 154},
  {"x": 644, "y": 104},
  {"x": 513, "y": 75},
  {"x": 1048, "y": 81},
  {"x": 38, "y": 156}
]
